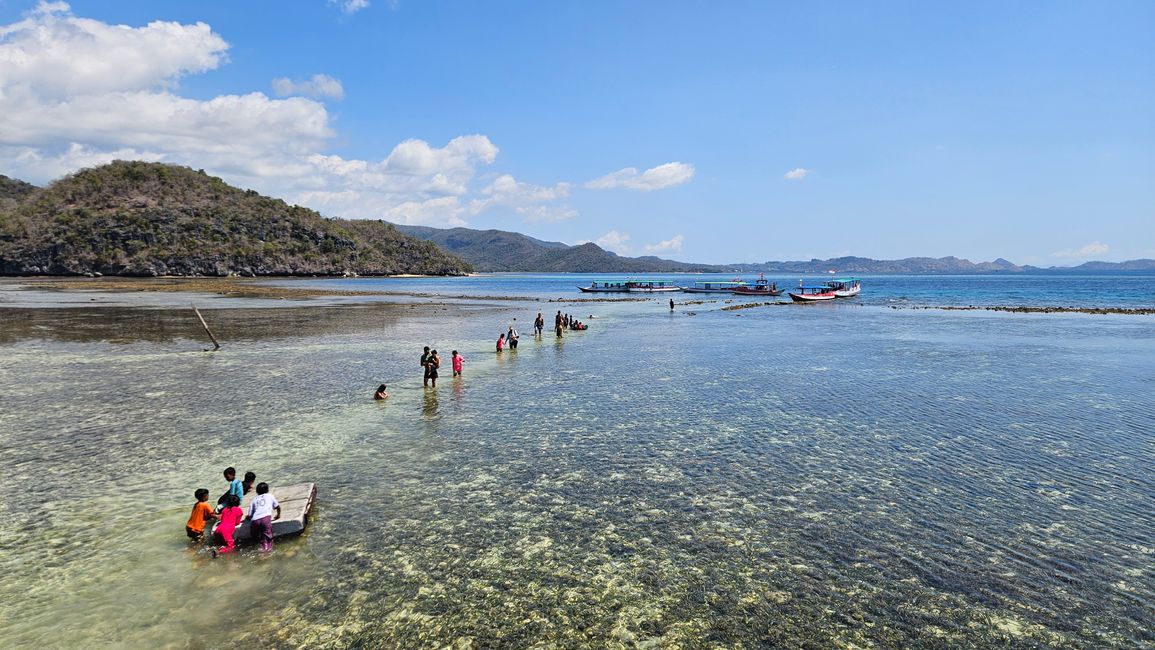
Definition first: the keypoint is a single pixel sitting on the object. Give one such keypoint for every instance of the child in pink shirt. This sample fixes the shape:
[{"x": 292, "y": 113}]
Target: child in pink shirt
[
  {"x": 457, "y": 359},
  {"x": 231, "y": 517}
]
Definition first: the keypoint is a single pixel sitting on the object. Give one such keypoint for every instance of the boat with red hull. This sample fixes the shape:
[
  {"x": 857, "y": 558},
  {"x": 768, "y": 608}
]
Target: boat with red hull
[{"x": 812, "y": 294}]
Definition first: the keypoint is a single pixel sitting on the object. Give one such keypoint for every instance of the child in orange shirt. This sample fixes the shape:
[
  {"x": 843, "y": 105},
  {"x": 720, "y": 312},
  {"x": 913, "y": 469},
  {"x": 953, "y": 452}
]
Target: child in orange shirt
[{"x": 202, "y": 512}]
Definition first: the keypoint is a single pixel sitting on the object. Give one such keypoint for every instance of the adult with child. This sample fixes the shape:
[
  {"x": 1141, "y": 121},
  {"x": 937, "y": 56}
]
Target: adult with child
[
  {"x": 425, "y": 366},
  {"x": 434, "y": 364},
  {"x": 261, "y": 516}
]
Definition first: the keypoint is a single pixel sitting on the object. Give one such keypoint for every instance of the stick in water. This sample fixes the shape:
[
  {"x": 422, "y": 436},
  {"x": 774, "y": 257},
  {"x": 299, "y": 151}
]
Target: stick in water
[{"x": 205, "y": 325}]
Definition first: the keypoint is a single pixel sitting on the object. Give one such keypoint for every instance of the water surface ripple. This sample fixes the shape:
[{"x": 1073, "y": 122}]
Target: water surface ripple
[{"x": 829, "y": 477}]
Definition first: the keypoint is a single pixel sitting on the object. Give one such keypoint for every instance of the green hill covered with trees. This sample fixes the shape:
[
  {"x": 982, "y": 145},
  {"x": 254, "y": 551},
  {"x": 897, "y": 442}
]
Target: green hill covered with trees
[{"x": 151, "y": 219}]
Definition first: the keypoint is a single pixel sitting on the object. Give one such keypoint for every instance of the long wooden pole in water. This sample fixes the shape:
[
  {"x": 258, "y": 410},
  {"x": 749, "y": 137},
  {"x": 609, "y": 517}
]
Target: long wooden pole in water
[{"x": 205, "y": 325}]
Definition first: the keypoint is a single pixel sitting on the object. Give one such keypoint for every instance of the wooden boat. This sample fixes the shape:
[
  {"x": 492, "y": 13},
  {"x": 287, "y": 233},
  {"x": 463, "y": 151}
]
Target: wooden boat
[
  {"x": 714, "y": 286},
  {"x": 296, "y": 502},
  {"x": 845, "y": 287},
  {"x": 651, "y": 286},
  {"x": 812, "y": 294},
  {"x": 607, "y": 286},
  {"x": 761, "y": 287}
]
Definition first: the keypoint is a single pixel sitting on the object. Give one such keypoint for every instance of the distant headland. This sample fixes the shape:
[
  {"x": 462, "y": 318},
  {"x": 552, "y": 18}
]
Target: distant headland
[{"x": 147, "y": 219}]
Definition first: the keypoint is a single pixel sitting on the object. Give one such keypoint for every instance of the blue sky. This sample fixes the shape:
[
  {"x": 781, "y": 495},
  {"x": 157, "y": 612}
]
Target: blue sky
[{"x": 708, "y": 132}]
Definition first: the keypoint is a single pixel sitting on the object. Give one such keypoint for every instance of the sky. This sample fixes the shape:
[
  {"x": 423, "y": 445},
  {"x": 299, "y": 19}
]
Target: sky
[{"x": 711, "y": 132}]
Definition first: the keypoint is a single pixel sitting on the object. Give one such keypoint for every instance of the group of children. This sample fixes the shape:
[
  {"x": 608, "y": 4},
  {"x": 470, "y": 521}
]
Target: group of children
[{"x": 263, "y": 511}]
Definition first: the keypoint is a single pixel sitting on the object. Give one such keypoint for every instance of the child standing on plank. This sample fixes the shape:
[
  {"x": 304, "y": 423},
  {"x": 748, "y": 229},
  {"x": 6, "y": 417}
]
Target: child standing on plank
[
  {"x": 236, "y": 487},
  {"x": 261, "y": 516},
  {"x": 201, "y": 514}
]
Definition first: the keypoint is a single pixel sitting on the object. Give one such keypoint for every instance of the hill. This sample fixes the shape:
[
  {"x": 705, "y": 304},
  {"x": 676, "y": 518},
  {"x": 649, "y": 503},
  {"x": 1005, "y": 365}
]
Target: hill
[
  {"x": 500, "y": 250},
  {"x": 13, "y": 191},
  {"x": 149, "y": 219}
]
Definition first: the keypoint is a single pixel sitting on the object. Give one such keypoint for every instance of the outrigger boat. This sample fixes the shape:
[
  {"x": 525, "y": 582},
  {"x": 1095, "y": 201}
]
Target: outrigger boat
[
  {"x": 761, "y": 287},
  {"x": 607, "y": 286},
  {"x": 812, "y": 294},
  {"x": 714, "y": 286},
  {"x": 845, "y": 287},
  {"x": 651, "y": 286}
]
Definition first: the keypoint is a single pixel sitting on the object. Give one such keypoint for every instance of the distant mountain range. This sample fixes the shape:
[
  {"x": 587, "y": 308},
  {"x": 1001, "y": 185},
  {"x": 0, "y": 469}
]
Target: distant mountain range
[
  {"x": 138, "y": 218},
  {"x": 499, "y": 250}
]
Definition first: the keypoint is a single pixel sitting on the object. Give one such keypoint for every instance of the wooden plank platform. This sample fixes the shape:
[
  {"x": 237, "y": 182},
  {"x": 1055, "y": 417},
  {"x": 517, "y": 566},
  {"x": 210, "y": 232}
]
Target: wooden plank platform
[{"x": 296, "y": 502}]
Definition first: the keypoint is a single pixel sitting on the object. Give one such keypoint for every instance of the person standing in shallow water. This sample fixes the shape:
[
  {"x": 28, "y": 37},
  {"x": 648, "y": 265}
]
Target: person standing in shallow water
[
  {"x": 671, "y": 304},
  {"x": 538, "y": 325},
  {"x": 434, "y": 364},
  {"x": 425, "y": 366},
  {"x": 511, "y": 338},
  {"x": 557, "y": 326}
]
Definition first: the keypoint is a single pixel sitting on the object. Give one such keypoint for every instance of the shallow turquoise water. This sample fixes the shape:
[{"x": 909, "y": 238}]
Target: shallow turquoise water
[{"x": 826, "y": 476}]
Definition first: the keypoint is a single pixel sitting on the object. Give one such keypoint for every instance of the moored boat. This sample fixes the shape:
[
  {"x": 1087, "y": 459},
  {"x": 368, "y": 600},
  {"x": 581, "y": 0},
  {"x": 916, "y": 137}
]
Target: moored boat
[
  {"x": 761, "y": 287},
  {"x": 651, "y": 286},
  {"x": 845, "y": 287},
  {"x": 812, "y": 294},
  {"x": 714, "y": 286},
  {"x": 607, "y": 286}
]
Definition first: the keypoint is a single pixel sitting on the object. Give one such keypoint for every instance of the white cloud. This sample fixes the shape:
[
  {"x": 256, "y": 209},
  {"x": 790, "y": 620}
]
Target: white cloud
[
  {"x": 672, "y": 245},
  {"x": 655, "y": 178},
  {"x": 526, "y": 199},
  {"x": 52, "y": 54},
  {"x": 443, "y": 212},
  {"x": 614, "y": 241},
  {"x": 350, "y": 6},
  {"x": 317, "y": 86},
  {"x": 797, "y": 174},
  {"x": 1093, "y": 249},
  {"x": 76, "y": 92}
]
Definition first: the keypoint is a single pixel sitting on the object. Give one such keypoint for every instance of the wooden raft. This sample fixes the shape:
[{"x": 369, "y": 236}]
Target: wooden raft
[{"x": 296, "y": 502}]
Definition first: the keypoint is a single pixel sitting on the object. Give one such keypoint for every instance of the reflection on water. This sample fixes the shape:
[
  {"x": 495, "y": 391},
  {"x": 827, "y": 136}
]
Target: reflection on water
[{"x": 834, "y": 477}]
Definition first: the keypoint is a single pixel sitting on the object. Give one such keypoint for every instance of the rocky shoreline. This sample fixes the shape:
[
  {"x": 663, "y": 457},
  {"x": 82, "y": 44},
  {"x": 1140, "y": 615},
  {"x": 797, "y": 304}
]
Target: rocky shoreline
[{"x": 1130, "y": 311}]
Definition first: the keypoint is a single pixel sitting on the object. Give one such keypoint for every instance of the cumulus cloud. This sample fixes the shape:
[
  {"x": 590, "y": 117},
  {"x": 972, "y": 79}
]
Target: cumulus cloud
[
  {"x": 655, "y": 178},
  {"x": 672, "y": 245},
  {"x": 52, "y": 54},
  {"x": 318, "y": 86},
  {"x": 76, "y": 92},
  {"x": 530, "y": 201},
  {"x": 1093, "y": 249},
  {"x": 797, "y": 174},
  {"x": 614, "y": 241}
]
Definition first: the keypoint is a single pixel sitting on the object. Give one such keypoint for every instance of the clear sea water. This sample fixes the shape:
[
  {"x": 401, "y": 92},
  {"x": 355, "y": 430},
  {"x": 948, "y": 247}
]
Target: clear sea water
[{"x": 836, "y": 475}]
